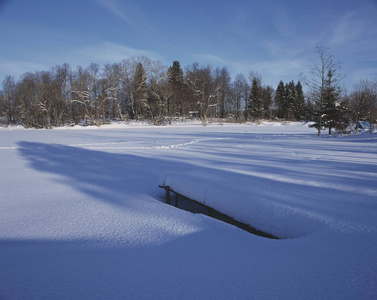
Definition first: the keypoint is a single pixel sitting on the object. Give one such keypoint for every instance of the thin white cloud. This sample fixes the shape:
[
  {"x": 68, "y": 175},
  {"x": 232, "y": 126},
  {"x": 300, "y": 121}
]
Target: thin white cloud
[
  {"x": 280, "y": 49},
  {"x": 209, "y": 58},
  {"x": 113, "y": 7},
  {"x": 107, "y": 52},
  {"x": 128, "y": 12},
  {"x": 284, "y": 24},
  {"x": 354, "y": 32},
  {"x": 348, "y": 28}
]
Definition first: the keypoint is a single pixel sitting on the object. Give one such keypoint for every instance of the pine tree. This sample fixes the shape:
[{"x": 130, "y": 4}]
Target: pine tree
[
  {"x": 290, "y": 99},
  {"x": 280, "y": 99},
  {"x": 139, "y": 86},
  {"x": 256, "y": 110},
  {"x": 267, "y": 99},
  {"x": 343, "y": 119},
  {"x": 332, "y": 113},
  {"x": 175, "y": 75},
  {"x": 299, "y": 104},
  {"x": 323, "y": 84}
]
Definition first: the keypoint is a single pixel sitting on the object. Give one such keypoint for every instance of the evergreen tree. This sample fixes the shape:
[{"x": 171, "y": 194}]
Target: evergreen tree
[
  {"x": 175, "y": 76},
  {"x": 267, "y": 99},
  {"x": 332, "y": 113},
  {"x": 343, "y": 119},
  {"x": 299, "y": 104},
  {"x": 175, "y": 73},
  {"x": 290, "y": 98},
  {"x": 138, "y": 87},
  {"x": 280, "y": 99},
  {"x": 323, "y": 84},
  {"x": 256, "y": 109}
]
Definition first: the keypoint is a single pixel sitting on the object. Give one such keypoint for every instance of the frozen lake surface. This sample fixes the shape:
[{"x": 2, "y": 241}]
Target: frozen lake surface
[{"x": 82, "y": 216}]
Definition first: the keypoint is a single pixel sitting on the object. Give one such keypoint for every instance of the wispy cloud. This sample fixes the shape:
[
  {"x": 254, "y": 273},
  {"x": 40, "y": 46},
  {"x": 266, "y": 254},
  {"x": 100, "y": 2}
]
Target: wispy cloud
[
  {"x": 278, "y": 49},
  {"x": 347, "y": 28},
  {"x": 354, "y": 31},
  {"x": 209, "y": 58},
  {"x": 106, "y": 52},
  {"x": 113, "y": 7},
  {"x": 284, "y": 24},
  {"x": 127, "y": 11}
]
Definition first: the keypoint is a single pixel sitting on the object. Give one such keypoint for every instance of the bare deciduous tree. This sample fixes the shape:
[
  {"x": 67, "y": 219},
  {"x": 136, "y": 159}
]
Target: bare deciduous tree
[
  {"x": 240, "y": 94},
  {"x": 363, "y": 101},
  {"x": 9, "y": 87}
]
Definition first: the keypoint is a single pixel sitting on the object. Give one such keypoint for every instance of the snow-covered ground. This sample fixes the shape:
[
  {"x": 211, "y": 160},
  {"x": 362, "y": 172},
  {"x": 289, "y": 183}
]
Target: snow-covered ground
[{"x": 82, "y": 217}]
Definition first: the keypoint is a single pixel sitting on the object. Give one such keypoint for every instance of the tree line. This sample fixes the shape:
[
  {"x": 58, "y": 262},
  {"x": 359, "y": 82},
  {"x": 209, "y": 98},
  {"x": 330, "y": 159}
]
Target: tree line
[{"x": 143, "y": 89}]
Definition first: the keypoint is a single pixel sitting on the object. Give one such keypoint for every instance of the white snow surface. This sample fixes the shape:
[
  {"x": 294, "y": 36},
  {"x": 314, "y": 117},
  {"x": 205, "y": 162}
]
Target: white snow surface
[{"x": 82, "y": 216}]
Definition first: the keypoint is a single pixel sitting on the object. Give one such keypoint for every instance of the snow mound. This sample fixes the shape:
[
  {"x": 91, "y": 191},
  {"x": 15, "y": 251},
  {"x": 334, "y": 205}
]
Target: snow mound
[{"x": 269, "y": 211}]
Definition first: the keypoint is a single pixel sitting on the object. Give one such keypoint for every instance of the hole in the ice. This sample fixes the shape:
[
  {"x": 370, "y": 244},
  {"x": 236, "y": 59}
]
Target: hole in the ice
[{"x": 193, "y": 206}]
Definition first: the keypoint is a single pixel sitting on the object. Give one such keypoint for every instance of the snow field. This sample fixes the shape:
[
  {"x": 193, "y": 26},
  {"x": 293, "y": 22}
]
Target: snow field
[{"x": 82, "y": 216}]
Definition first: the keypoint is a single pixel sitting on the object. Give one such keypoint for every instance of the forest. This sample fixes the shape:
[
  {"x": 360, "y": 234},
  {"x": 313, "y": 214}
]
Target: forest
[{"x": 139, "y": 88}]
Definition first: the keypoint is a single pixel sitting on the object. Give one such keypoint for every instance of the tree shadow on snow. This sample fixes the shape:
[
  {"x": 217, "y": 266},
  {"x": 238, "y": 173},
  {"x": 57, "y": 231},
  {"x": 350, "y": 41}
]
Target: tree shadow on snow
[
  {"x": 102, "y": 175},
  {"x": 112, "y": 177}
]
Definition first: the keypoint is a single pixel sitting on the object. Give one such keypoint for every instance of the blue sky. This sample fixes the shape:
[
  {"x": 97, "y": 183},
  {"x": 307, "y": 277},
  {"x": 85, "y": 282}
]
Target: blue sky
[{"x": 276, "y": 39}]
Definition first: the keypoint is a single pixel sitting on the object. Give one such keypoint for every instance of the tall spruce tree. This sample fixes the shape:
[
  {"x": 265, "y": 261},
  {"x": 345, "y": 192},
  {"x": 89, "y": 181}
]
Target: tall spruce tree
[
  {"x": 325, "y": 76},
  {"x": 175, "y": 76},
  {"x": 280, "y": 99},
  {"x": 290, "y": 98},
  {"x": 267, "y": 99},
  {"x": 138, "y": 86},
  {"x": 299, "y": 104},
  {"x": 332, "y": 112},
  {"x": 256, "y": 109}
]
